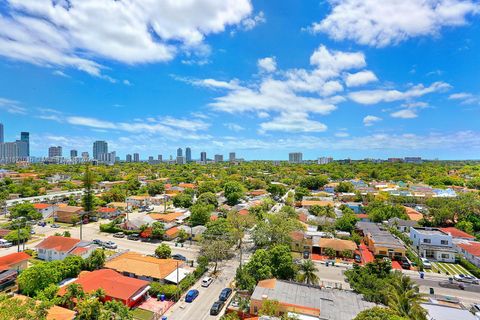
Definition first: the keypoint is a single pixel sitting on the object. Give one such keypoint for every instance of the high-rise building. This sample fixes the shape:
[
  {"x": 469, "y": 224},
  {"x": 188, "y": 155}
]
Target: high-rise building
[
  {"x": 100, "y": 150},
  {"x": 150, "y": 159},
  {"x": 22, "y": 149},
  {"x": 8, "y": 152},
  {"x": 128, "y": 158},
  {"x": 413, "y": 160},
  {"x": 136, "y": 157},
  {"x": 203, "y": 156},
  {"x": 160, "y": 158},
  {"x": 25, "y": 137},
  {"x": 2, "y": 138},
  {"x": 188, "y": 154},
  {"x": 179, "y": 152},
  {"x": 324, "y": 160},
  {"x": 180, "y": 160},
  {"x": 54, "y": 152},
  {"x": 85, "y": 156},
  {"x": 218, "y": 158},
  {"x": 232, "y": 156},
  {"x": 73, "y": 154},
  {"x": 295, "y": 157}
]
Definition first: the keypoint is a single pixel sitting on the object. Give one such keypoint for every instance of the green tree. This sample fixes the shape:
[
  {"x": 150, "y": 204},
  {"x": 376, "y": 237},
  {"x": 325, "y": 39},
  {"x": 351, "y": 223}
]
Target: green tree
[
  {"x": 158, "y": 230},
  {"x": 207, "y": 186},
  {"x": 405, "y": 298},
  {"x": 115, "y": 310},
  {"x": 37, "y": 278},
  {"x": 275, "y": 229},
  {"x": 233, "y": 192},
  {"x": 269, "y": 308},
  {"x": 208, "y": 198},
  {"x": 25, "y": 210},
  {"x": 345, "y": 187},
  {"x": 163, "y": 251},
  {"x": 15, "y": 308},
  {"x": 96, "y": 260},
  {"x": 215, "y": 250},
  {"x": 301, "y": 192},
  {"x": 73, "y": 292},
  {"x": 378, "y": 313},
  {"x": 308, "y": 272},
  {"x": 200, "y": 214},
  {"x": 346, "y": 222},
  {"x": 276, "y": 190},
  {"x": 314, "y": 182},
  {"x": 182, "y": 200},
  {"x": 466, "y": 226},
  {"x": 155, "y": 188},
  {"x": 88, "y": 201},
  {"x": 379, "y": 211},
  {"x": 330, "y": 252}
]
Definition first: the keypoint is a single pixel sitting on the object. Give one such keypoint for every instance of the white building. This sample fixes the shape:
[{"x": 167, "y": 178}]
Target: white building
[
  {"x": 58, "y": 248},
  {"x": 324, "y": 160},
  {"x": 433, "y": 244},
  {"x": 295, "y": 157}
]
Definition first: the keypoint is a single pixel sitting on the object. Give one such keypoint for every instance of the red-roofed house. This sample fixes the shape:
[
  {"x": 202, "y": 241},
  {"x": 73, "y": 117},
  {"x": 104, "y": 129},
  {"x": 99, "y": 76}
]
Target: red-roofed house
[
  {"x": 470, "y": 250},
  {"x": 171, "y": 233},
  {"x": 14, "y": 261},
  {"x": 58, "y": 248},
  {"x": 129, "y": 291},
  {"x": 45, "y": 209},
  {"x": 107, "y": 212},
  {"x": 458, "y": 234}
]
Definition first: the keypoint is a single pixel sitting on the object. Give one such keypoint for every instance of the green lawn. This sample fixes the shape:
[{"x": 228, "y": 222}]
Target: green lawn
[
  {"x": 449, "y": 268},
  {"x": 140, "y": 314}
]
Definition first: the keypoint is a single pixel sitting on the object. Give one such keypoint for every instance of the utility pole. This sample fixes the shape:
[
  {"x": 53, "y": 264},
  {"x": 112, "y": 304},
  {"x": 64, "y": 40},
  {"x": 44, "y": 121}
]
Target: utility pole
[{"x": 18, "y": 235}]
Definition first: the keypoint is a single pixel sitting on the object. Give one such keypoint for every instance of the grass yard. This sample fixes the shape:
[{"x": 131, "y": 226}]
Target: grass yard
[
  {"x": 448, "y": 268},
  {"x": 140, "y": 314}
]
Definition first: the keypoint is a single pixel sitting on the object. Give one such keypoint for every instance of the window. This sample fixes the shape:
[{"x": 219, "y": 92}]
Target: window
[
  {"x": 445, "y": 256},
  {"x": 444, "y": 242},
  {"x": 427, "y": 241}
]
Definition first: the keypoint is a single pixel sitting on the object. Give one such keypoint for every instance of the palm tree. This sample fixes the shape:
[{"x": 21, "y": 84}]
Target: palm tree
[
  {"x": 404, "y": 298},
  {"x": 308, "y": 275}
]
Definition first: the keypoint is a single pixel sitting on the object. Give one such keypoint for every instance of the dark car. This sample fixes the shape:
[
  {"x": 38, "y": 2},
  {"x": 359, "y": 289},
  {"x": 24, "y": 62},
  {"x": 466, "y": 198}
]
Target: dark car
[
  {"x": 178, "y": 257},
  {"x": 97, "y": 241},
  {"x": 357, "y": 258},
  {"x": 216, "y": 308},
  {"x": 225, "y": 294},
  {"x": 133, "y": 237},
  {"x": 405, "y": 263},
  {"x": 42, "y": 223},
  {"x": 191, "y": 295}
]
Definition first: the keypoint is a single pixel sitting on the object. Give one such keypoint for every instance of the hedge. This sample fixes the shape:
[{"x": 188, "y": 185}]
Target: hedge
[{"x": 473, "y": 269}]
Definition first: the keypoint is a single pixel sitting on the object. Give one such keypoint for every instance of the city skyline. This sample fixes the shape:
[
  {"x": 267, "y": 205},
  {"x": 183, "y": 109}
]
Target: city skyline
[{"x": 389, "y": 89}]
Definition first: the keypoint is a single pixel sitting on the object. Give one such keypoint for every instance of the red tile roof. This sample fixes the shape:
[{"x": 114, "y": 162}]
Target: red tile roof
[
  {"x": 171, "y": 231},
  {"x": 115, "y": 285},
  {"x": 40, "y": 206},
  {"x": 106, "y": 210},
  {"x": 456, "y": 233},
  {"x": 59, "y": 243},
  {"x": 79, "y": 251},
  {"x": 10, "y": 259},
  {"x": 471, "y": 247},
  {"x": 243, "y": 212}
]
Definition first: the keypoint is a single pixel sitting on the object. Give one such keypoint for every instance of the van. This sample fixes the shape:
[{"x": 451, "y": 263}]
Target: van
[{"x": 206, "y": 281}]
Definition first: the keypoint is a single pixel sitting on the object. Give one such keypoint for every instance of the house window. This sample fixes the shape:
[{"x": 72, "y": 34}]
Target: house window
[
  {"x": 445, "y": 256},
  {"x": 444, "y": 242},
  {"x": 427, "y": 241}
]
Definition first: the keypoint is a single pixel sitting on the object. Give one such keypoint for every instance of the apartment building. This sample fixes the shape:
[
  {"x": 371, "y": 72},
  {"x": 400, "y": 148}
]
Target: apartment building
[{"x": 433, "y": 244}]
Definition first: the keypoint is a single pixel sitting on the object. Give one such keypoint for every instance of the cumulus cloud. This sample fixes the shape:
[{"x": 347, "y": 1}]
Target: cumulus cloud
[
  {"x": 292, "y": 122},
  {"x": 234, "y": 127},
  {"x": 376, "y": 96},
  {"x": 465, "y": 98},
  {"x": 360, "y": 78},
  {"x": 404, "y": 114},
  {"x": 268, "y": 64},
  {"x": 78, "y": 33},
  {"x": 371, "y": 120},
  {"x": 381, "y": 23}
]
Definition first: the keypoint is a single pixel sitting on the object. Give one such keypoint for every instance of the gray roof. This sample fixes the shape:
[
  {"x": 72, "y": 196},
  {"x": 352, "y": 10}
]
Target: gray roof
[
  {"x": 430, "y": 231},
  {"x": 378, "y": 235},
  {"x": 334, "y": 304},
  {"x": 402, "y": 223},
  {"x": 439, "y": 312}
]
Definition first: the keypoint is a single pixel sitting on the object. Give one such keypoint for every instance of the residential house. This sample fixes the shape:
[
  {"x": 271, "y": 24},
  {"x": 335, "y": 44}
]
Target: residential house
[
  {"x": 301, "y": 242},
  {"x": 193, "y": 231},
  {"x": 167, "y": 217},
  {"x": 470, "y": 250},
  {"x": 15, "y": 261},
  {"x": 147, "y": 268},
  {"x": 413, "y": 214},
  {"x": 446, "y": 308},
  {"x": 458, "y": 234},
  {"x": 58, "y": 248},
  {"x": 171, "y": 233},
  {"x": 307, "y": 204},
  {"x": 138, "y": 201},
  {"x": 8, "y": 281},
  {"x": 68, "y": 214},
  {"x": 46, "y": 209},
  {"x": 339, "y": 245},
  {"x": 108, "y": 212},
  {"x": 402, "y": 225},
  {"x": 380, "y": 242},
  {"x": 433, "y": 244},
  {"x": 307, "y": 301},
  {"x": 117, "y": 287},
  {"x": 54, "y": 312}
]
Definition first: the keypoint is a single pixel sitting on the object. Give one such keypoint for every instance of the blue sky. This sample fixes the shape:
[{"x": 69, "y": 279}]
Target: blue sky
[{"x": 341, "y": 78}]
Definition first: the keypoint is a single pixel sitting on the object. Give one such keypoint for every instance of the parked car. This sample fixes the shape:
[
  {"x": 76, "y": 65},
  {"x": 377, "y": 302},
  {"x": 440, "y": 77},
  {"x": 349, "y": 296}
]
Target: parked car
[
  {"x": 191, "y": 295},
  {"x": 134, "y": 236},
  {"x": 149, "y": 209},
  {"x": 357, "y": 258},
  {"x": 225, "y": 294},
  {"x": 206, "y": 281},
  {"x": 179, "y": 257},
  {"x": 426, "y": 263},
  {"x": 5, "y": 244},
  {"x": 42, "y": 223},
  {"x": 54, "y": 225},
  {"x": 405, "y": 263},
  {"x": 109, "y": 245},
  {"x": 216, "y": 308},
  {"x": 119, "y": 235},
  {"x": 97, "y": 241},
  {"x": 466, "y": 278}
]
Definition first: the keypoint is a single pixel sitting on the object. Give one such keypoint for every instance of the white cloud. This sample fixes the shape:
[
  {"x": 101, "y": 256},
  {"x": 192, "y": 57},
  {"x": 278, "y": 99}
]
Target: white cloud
[
  {"x": 376, "y": 96},
  {"x": 380, "y": 23},
  {"x": 337, "y": 60},
  {"x": 404, "y": 114},
  {"x": 465, "y": 98},
  {"x": 360, "y": 78},
  {"x": 263, "y": 115},
  {"x": 268, "y": 64},
  {"x": 234, "y": 127},
  {"x": 251, "y": 22},
  {"x": 60, "y": 74},
  {"x": 12, "y": 106},
  {"x": 371, "y": 120},
  {"x": 342, "y": 134},
  {"x": 76, "y": 33},
  {"x": 292, "y": 122}
]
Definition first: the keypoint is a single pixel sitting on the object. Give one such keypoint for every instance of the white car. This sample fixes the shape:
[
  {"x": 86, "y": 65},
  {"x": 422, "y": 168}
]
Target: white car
[
  {"x": 206, "y": 281},
  {"x": 466, "y": 278},
  {"x": 5, "y": 244},
  {"x": 426, "y": 263}
]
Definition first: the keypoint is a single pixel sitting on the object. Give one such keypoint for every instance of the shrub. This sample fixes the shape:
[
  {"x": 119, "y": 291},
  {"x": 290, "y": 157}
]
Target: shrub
[{"x": 473, "y": 269}]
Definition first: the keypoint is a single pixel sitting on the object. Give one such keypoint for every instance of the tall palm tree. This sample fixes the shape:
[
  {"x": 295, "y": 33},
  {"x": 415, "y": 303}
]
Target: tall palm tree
[
  {"x": 308, "y": 273},
  {"x": 405, "y": 299}
]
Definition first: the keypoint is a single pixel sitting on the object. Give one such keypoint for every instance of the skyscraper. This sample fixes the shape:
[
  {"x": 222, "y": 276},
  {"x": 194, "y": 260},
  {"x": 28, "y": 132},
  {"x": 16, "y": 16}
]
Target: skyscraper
[
  {"x": 55, "y": 152},
  {"x": 203, "y": 156},
  {"x": 128, "y": 158},
  {"x": 73, "y": 153},
  {"x": 219, "y": 158},
  {"x": 188, "y": 154},
  {"x": 85, "y": 155},
  {"x": 100, "y": 150},
  {"x": 295, "y": 157},
  {"x": 136, "y": 157},
  {"x": 179, "y": 152},
  {"x": 2, "y": 139},
  {"x": 232, "y": 157},
  {"x": 160, "y": 158},
  {"x": 25, "y": 137}
]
